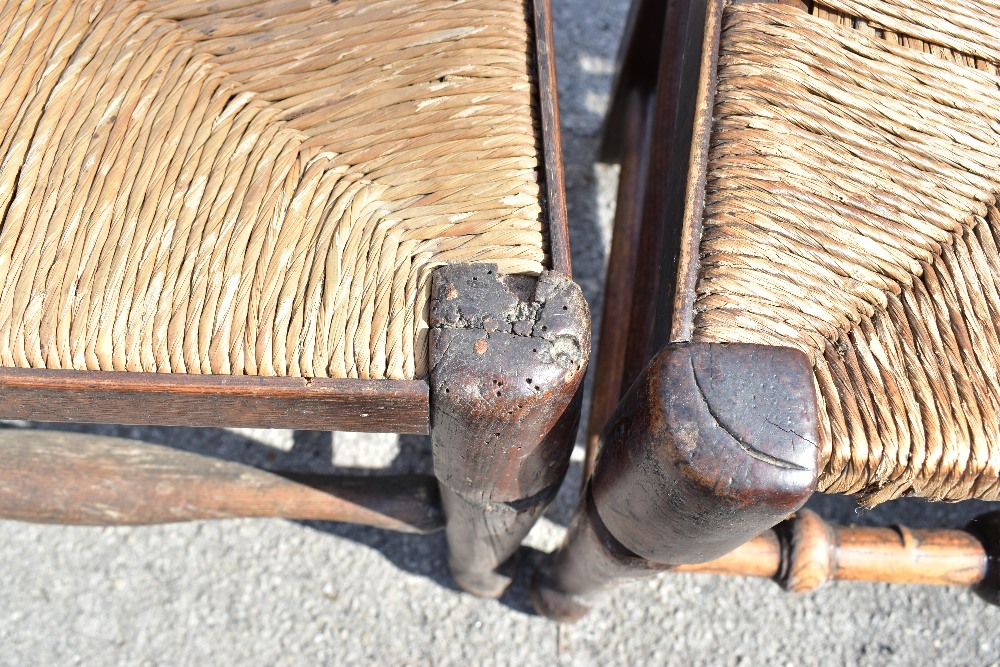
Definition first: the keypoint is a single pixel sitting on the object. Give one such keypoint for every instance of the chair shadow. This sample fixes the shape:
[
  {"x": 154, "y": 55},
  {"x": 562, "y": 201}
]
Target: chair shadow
[
  {"x": 310, "y": 452},
  {"x": 313, "y": 452},
  {"x": 421, "y": 555},
  {"x": 909, "y": 512}
]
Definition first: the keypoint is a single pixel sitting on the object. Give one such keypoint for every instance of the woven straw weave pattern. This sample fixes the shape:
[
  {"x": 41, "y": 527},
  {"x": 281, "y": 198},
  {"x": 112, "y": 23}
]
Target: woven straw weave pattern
[
  {"x": 256, "y": 187},
  {"x": 851, "y": 212}
]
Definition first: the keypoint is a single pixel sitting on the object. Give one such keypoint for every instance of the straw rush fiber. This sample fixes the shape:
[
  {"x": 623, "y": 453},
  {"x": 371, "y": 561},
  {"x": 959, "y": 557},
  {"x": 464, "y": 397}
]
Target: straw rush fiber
[
  {"x": 257, "y": 188},
  {"x": 851, "y": 212}
]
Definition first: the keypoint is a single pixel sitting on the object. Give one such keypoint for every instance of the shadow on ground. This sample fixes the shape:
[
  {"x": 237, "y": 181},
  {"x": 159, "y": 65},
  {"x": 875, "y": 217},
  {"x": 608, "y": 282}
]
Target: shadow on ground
[{"x": 313, "y": 452}]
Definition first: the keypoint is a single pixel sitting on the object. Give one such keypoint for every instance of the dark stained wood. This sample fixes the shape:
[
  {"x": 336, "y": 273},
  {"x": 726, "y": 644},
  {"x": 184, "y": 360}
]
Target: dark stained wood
[
  {"x": 663, "y": 203},
  {"x": 635, "y": 71},
  {"x": 507, "y": 357},
  {"x": 688, "y": 205},
  {"x": 72, "y": 478},
  {"x": 710, "y": 436},
  {"x": 712, "y": 445},
  {"x": 621, "y": 275},
  {"x": 805, "y": 552},
  {"x": 986, "y": 528},
  {"x": 589, "y": 561},
  {"x": 548, "y": 95},
  {"x": 654, "y": 234},
  {"x": 162, "y": 399}
]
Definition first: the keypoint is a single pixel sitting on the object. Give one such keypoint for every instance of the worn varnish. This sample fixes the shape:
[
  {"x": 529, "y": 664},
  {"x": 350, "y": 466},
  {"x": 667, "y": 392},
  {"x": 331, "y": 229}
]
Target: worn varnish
[
  {"x": 163, "y": 399},
  {"x": 555, "y": 182},
  {"x": 72, "y": 478},
  {"x": 650, "y": 506},
  {"x": 712, "y": 445},
  {"x": 667, "y": 61},
  {"x": 507, "y": 357}
]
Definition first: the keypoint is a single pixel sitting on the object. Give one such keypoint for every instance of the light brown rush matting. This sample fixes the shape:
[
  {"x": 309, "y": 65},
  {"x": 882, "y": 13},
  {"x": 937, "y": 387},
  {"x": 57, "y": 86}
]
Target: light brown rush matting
[
  {"x": 256, "y": 188},
  {"x": 851, "y": 212}
]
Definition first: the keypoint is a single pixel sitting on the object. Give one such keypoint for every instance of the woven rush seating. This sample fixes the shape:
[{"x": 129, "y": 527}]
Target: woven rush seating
[
  {"x": 851, "y": 212},
  {"x": 808, "y": 213},
  {"x": 314, "y": 214},
  {"x": 257, "y": 188}
]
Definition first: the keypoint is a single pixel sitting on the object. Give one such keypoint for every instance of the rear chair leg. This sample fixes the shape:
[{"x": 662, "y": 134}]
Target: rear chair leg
[
  {"x": 712, "y": 445},
  {"x": 507, "y": 355}
]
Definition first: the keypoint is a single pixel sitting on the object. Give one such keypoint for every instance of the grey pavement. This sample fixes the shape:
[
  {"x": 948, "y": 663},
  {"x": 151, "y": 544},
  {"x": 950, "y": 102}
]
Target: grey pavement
[{"x": 271, "y": 592}]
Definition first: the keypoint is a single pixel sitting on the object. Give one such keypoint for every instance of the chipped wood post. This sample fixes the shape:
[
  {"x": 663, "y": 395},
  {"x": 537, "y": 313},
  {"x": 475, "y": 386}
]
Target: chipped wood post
[
  {"x": 507, "y": 356},
  {"x": 711, "y": 446}
]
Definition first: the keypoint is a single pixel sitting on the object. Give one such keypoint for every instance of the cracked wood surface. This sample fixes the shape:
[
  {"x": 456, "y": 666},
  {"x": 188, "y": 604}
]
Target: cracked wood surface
[
  {"x": 507, "y": 357},
  {"x": 711, "y": 446},
  {"x": 747, "y": 447},
  {"x": 667, "y": 446}
]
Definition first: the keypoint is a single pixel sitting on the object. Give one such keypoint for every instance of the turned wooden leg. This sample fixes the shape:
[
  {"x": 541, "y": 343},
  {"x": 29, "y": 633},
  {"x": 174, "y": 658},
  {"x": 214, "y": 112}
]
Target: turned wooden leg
[
  {"x": 507, "y": 355},
  {"x": 711, "y": 446}
]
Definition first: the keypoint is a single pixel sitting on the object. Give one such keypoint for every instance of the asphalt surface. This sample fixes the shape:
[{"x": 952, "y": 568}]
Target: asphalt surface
[{"x": 270, "y": 592}]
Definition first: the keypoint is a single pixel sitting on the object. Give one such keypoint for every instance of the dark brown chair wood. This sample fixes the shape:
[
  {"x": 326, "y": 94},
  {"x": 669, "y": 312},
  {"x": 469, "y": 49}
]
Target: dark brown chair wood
[
  {"x": 503, "y": 352},
  {"x": 706, "y": 435}
]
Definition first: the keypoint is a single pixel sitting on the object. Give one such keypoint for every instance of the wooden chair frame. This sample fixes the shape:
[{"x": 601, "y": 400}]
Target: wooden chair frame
[
  {"x": 694, "y": 449},
  {"x": 499, "y": 406}
]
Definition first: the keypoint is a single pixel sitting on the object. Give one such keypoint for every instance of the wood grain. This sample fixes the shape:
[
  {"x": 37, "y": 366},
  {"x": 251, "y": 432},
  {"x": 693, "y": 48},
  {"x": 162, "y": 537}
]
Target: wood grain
[
  {"x": 73, "y": 478},
  {"x": 666, "y": 63},
  {"x": 676, "y": 323},
  {"x": 548, "y": 96},
  {"x": 507, "y": 357},
  {"x": 712, "y": 445},
  {"x": 805, "y": 552},
  {"x": 160, "y": 399},
  {"x": 622, "y": 273},
  {"x": 656, "y": 255}
]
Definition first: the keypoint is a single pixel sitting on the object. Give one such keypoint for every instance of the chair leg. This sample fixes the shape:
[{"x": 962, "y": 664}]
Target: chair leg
[
  {"x": 507, "y": 357},
  {"x": 711, "y": 446}
]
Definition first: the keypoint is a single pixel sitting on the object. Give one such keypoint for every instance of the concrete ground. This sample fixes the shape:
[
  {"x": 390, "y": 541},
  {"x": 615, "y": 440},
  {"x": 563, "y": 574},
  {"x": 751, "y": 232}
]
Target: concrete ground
[{"x": 285, "y": 593}]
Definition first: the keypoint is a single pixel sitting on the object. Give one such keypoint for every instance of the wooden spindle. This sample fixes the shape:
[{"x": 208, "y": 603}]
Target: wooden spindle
[
  {"x": 805, "y": 552},
  {"x": 84, "y": 479}
]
